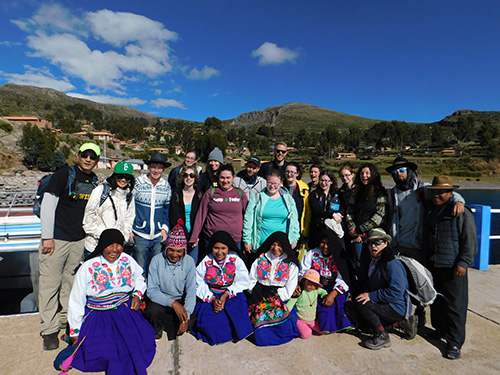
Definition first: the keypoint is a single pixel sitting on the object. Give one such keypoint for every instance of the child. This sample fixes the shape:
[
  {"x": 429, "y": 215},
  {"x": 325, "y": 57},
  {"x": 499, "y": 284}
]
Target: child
[
  {"x": 221, "y": 277},
  {"x": 307, "y": 303},
  {"x": 104, "y": 310}
]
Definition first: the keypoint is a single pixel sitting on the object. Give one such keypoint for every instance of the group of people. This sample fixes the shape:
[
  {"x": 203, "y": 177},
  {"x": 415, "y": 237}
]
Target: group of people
[{"x": 260, "y": 254}]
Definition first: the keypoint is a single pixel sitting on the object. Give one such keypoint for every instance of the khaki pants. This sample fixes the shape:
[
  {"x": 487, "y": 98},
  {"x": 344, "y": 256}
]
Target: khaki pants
[{"x": 56, "y": 280}]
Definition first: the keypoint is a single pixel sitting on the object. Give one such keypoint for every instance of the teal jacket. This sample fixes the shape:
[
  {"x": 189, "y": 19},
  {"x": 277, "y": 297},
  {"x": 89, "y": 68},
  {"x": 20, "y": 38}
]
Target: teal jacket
[{"x": 253, "y": 218}]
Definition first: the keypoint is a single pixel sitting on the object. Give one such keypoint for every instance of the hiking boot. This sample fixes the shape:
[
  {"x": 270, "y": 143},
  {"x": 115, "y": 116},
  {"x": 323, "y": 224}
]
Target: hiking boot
[
  {"x": 453, "y": 352},
  {"x": 50, "y": 342},
  {"x": 378, "y": 340},
  {"x": 158, "y": 335},
  {"x": 409, "y": 327}
]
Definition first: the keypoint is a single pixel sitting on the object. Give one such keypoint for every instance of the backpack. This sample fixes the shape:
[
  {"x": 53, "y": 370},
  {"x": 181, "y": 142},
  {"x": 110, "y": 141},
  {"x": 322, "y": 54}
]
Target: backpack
[
  {"x": 212, "y": 191},
  {"x": 43, "y": 183},
  {"x": 421, "y": 286}
]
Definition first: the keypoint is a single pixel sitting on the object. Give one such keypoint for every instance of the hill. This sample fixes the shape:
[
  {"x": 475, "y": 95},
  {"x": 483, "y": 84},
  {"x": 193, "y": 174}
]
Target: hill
[{"x": 290, "y": 117}]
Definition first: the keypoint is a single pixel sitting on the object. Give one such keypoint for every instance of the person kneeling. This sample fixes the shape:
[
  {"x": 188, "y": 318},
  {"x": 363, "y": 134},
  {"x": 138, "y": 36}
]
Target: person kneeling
[
  {"x": 172, "y": 288},
  {"x": 384, "y": 300}
]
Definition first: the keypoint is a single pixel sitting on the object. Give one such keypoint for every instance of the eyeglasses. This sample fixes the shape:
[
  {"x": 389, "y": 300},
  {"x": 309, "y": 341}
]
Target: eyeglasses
[
  {"x": 345, "y": 175},
  {"x": 123, "y": 175},
  {"x": 281, "y": 151},
  {"x": 84, "y": 155},
  {"x": 400, "y": 170},
  {"x": 186, "y": 175},
  {"x": 376, "y": 243}
]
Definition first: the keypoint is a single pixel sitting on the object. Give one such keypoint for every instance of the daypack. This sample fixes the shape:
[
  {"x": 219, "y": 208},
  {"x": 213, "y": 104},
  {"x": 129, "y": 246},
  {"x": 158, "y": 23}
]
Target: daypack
[
  {"x": 43, "y": 183},
  {"x": 212, "y": 191},
  {"x": 421, "y": 285}
]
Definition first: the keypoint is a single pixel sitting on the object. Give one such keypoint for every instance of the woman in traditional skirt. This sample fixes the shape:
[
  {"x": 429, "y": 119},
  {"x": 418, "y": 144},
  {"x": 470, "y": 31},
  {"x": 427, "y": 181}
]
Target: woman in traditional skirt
[
  {"x": 104, "y": 311},
  {"x": 221, "y": 308},
  {"x": 273, "y": 278},
  {"x": 330, "y": 260}
]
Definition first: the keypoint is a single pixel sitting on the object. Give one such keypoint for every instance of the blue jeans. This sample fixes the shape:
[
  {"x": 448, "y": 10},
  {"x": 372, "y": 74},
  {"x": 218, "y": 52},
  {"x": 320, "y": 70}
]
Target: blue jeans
[{"x": 145, "y": 250}]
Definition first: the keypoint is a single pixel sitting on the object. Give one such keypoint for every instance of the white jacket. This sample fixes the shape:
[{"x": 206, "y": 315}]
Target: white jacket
[{"x": 98, "y": 218}]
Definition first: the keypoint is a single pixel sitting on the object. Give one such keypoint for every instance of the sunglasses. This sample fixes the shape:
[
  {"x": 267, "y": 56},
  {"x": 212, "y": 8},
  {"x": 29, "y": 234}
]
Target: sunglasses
[
  {"x": 186, "y": 175},
  {"x": 121, "y": 176},
  {"x": 376, "y": 243},
  {"x": 280, "y": 151},
  {"x": 84, "y": 155},
  {"x": 400, "y": 170}
]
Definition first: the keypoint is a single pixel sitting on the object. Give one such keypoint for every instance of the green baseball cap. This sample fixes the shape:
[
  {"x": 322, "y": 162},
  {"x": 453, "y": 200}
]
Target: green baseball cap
[
  {"x": 92, "y": 147},
  {"x": 122, "y": 167}
]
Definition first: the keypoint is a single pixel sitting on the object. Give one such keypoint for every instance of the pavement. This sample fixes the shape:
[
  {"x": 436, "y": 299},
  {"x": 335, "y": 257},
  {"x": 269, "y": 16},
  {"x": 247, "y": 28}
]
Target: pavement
[{"x": 21, "y": 348}]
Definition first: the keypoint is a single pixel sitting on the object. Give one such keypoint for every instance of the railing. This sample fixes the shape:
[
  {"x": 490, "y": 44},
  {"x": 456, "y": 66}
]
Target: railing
[{"x": 482, "y": 217}]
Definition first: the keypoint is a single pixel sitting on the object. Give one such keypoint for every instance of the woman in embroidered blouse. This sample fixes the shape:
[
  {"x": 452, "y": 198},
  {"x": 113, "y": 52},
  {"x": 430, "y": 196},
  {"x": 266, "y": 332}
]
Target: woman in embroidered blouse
[
  {"x": 273, "y": 278},
  {"x": 104, "y": 310},
  {"x": 330, "y": 260},
  {"x": 221, "y": 309}
]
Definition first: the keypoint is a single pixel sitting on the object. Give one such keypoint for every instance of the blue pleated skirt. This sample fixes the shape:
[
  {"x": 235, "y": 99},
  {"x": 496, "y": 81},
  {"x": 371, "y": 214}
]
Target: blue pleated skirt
[
  {"x": 270, "y": 335},
  {"x": 230, "y": 324},
  {"x": 119, "y": 341},
  {"x": 332, "y": 318}
]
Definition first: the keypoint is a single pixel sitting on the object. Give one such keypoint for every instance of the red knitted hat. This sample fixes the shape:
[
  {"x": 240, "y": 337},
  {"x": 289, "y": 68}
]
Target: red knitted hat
[{"x": 177, "y": 238}]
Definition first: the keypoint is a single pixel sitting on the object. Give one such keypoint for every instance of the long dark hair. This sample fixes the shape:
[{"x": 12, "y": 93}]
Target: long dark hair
[
  {"x": 333, "y": 187},
  {"x": 374, "y": 186},
  {"x": 180, "y": 178},
  {"x": 111, "y": 180}
]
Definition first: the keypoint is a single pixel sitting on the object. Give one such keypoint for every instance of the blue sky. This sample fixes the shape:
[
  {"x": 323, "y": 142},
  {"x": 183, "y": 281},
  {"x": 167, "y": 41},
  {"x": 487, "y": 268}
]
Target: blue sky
[{"x": 415, "y": 61}]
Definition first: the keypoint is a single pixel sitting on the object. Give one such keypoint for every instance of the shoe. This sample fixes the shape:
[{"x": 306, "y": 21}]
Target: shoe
[
  {"x": 378, "y": 340},
  {"x": 158, "y": 335},
  {"x": 453, "y": 352},
  {"x": 409, "y": 327},
  {"x": 50, "y": 342}
]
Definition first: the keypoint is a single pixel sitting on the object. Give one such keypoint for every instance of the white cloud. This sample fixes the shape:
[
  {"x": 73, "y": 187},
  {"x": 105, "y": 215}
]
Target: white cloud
[
  {"x": 164, "y": 103},
  {"x": 8, "y": 43},
  {"x": 108, "y": 99},
  {"x": 39, "y": 78},
  {"x": 205, "y": 73},
  {"x": 270, "y": 53}
]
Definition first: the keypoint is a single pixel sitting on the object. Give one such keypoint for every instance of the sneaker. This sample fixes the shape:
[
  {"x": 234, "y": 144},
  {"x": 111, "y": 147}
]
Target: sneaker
[
  {"x": 50, "y": 342},
  {"x": 453, "y": 352},
  {"x": 158, "y": 335},
  {"x": 378, "y": 340},
  {"x": 409, "y": 327}
]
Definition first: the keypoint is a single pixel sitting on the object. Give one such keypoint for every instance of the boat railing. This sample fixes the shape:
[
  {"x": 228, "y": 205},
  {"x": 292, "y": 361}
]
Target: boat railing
[{"x": 482, "y": 218}]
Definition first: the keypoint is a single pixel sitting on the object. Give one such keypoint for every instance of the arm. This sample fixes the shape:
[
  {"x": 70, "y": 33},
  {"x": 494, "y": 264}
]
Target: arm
[
  {"x": 140, "y": 283},
  {"x": 459, "y": 206},
  {"x": 154, "y": 282},
  {"x": 252, "y": 276},
  {"x": 190, "y": 289},
  {"x": 129, "y": 219},
  {"x": 248, "y": 222},
  {"x": 202, "y": 290},
  {"x": 175, "y": 212},
  {"x": 201, "y": 216},
  {"x": 77, "y": 301},
  {"x": 378, "y": 216},
  {"x": 305, "y": 263},
  {"x": 93, "y": 224},
  {"x": 306, "y": 216},
  {"x": 241, "y": 279},
  {"x": 286, "y": 291},
  {"x": 468, "y": 242},
  {"x": 166, "y": 207},
  {"x": 398, "y": 283},
  {"x": 294, "y": 225}
]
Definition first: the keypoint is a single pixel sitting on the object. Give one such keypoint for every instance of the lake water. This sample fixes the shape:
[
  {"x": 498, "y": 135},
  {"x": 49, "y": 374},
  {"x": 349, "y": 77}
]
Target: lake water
[{"x": 487, "y": 198}]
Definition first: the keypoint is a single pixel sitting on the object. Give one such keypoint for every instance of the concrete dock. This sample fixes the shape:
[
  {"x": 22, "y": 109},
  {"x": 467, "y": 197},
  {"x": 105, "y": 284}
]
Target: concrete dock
[{"x": 21, "y": 350}]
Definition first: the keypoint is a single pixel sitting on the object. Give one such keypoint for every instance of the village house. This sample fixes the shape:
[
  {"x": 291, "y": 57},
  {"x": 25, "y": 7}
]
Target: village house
[{"x": 32, "y": 120}]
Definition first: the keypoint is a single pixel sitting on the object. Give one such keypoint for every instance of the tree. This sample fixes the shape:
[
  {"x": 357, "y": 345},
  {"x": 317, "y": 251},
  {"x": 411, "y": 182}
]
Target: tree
[
  {"x": 465, "y": 129},
  {"x": 213, "y": 123},
  {"x": 39, "y": 148}
]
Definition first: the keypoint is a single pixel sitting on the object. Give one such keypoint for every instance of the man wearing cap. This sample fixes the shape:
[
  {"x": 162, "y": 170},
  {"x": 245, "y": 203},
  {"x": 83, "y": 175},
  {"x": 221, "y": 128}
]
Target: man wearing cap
[
  {"x": 279, "y": 163},
  {"x": 152, "y": 200},
  {"x": 408, "y": 200},
  {"x": 451, "y": 246},
  {"x": 63, "y": 238},
  {"x": 248, "y": 179}
]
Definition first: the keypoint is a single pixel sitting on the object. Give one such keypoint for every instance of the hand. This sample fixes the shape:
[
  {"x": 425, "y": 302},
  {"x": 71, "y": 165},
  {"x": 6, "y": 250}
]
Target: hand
[
  {"x": 136, "y": 303},
  {"x": 164, "y": 235},
  {"x": 329, "y": 299},
  {"x": 358, "y": 239},
  {"x": 297, "y": 291},
  {"x": 363, "y": 297},
  {"x": 195, "y": 243},
  {"x": 337, "y": 217},
  {"x": 458, "y": 209},
  {"x": 131, "y": 237},
  {"x": 460, "y": 271},
  {"x": 248, "y": 248},
  {"x": 293, "y": 245},
  {"x": 48, "y": 246},
  {"x": 181, "y": 313},
  {"x": 73, "y": 340},
  {"x": 352, "y": 232}
]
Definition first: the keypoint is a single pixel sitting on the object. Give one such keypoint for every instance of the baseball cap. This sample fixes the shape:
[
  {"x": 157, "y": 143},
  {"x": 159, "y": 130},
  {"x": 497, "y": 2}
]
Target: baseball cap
[{"x": 90, "y": 146}]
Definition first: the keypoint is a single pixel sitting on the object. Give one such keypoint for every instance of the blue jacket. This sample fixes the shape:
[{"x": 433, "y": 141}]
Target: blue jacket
[{"x": 151, "y": 207}]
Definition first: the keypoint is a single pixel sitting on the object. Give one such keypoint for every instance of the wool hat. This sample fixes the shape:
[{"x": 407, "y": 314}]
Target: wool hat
[
  {"x": 400, "y": 162},
  {"x": 108, "y": 237},
  {"x": 122, "y": 167},
  {"x": 312, "y": 276},
  {"x": 90, "y": 146},
  {"x": 378, "y": 234},
  {"x": 255, "y": 160},
  {"x": 177, "y": 237},
  {"x": 216, "y": 155},
  {"x": 156, "y": 157},
  {"x": 442, "y": 183}
]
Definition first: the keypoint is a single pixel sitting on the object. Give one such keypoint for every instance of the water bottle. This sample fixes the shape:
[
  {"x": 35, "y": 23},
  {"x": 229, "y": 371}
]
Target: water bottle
[{"x": 335, "y": 204}]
